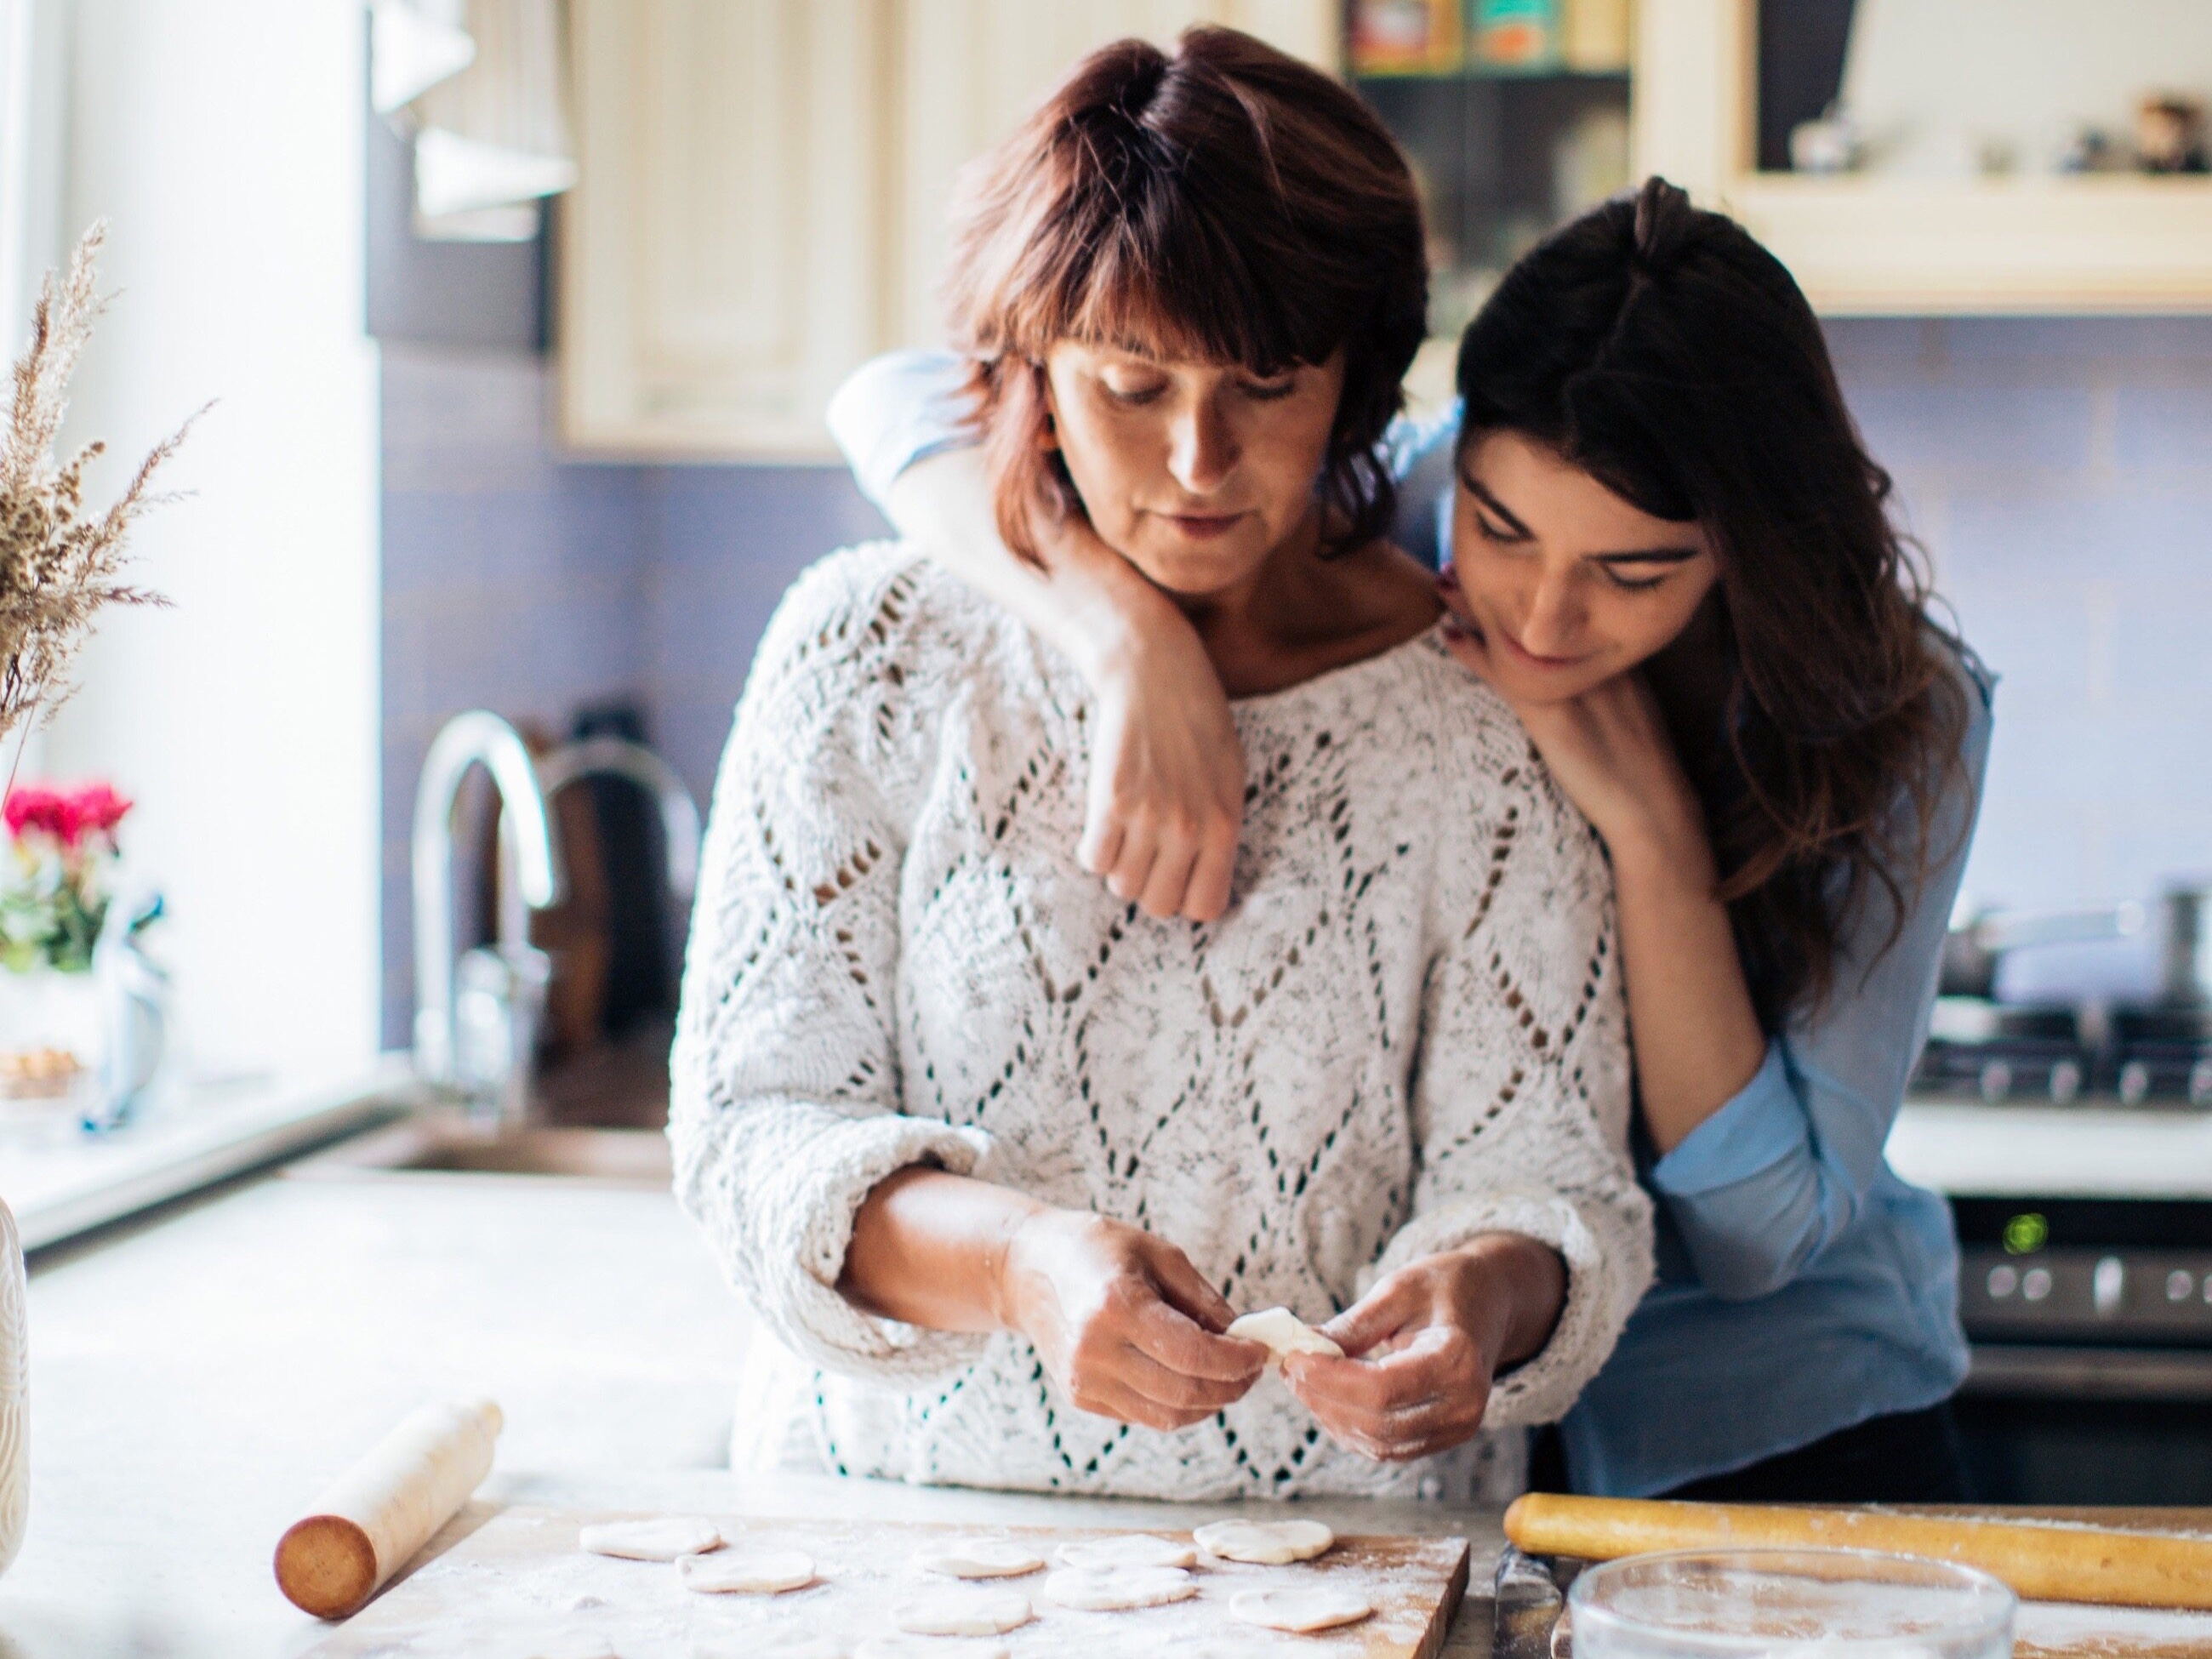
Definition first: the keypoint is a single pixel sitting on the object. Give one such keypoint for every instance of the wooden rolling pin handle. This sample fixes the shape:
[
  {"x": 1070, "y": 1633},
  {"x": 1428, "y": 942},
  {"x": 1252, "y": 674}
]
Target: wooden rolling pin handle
[
  {"x": 2042, "y": 1563},
  {"x": 367, "y": 1525}
]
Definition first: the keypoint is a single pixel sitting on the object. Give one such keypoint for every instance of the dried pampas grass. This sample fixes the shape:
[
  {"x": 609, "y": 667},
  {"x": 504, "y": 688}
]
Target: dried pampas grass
[{"x": 59, "y": 568}]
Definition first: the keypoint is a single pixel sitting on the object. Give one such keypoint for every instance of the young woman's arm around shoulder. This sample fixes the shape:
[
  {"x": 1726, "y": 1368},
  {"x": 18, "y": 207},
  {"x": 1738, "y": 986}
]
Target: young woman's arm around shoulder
[{"x": 1166, "y": 790}]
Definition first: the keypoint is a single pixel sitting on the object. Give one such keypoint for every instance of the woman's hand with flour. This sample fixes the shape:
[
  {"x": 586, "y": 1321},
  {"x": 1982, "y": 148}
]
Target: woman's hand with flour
[
  {"x": 1423, "y": 1347},
  {"x": 1123, "y": 1323}
]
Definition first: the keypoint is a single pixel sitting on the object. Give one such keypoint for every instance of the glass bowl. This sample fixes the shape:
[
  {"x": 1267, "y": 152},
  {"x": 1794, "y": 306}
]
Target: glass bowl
[{"x": 1804, "y": 1603}]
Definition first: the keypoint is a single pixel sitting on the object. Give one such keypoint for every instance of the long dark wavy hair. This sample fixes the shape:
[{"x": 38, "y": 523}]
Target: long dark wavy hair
[
  {"x": 1816, "y": 706},
  {"x": 1223, "y": 202}
]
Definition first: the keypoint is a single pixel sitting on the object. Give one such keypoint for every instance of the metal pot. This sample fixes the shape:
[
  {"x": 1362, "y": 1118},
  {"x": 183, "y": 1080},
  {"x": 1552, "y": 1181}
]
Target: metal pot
[{"x": 2182, "y": 915}]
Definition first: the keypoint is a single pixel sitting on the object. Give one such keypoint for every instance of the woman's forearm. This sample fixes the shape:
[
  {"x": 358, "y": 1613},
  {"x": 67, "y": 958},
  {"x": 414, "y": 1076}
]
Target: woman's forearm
[
  {"x": 1525, "y": 1285},
  {"x": 929, "y": 1248},
  {"x": 1089, "y": 602},
  {"x": 1697, "y": 1037}
]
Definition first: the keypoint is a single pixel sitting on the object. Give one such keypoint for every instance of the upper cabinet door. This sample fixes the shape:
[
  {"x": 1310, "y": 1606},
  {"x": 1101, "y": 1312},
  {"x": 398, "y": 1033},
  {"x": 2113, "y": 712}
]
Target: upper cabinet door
[
  {"x": 765, "y": 189},
  {"x": 726, "y": 254}
]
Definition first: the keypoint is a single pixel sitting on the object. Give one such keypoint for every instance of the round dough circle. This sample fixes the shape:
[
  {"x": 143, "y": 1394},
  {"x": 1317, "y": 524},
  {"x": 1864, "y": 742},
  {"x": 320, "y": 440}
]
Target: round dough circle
[
  {"x": 1301, "y": 1611},
  {"x": 667, "y": 1538},
  {"x": 928, "y": 1647},
  {"x": 1265, "y": 1543},
  {"x": 1120, "y": 1588},
  {"x": 977, "y": 1558},
  {"x": 1128, "y": 1549},
  {"x": 1284, "y": 1332},
  {"x": 962, "y": 1613},
  {"x": 746, "y": 1571}
]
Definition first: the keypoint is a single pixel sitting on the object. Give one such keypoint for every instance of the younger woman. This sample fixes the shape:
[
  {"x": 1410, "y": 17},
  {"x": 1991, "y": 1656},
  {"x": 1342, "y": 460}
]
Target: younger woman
[{"x": 1670, "y": 554}]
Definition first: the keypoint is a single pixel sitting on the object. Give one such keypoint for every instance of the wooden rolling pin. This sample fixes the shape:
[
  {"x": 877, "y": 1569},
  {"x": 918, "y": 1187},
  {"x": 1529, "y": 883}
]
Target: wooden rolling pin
[
  {"x": 2061, "y": 1563},
  {"x": 386, "y": 1507}
]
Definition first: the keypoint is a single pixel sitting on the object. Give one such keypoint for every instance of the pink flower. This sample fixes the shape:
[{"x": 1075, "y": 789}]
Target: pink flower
[
  {"x": 66, "y": 815},
  {"x": 95, "y": 809},
  {"x": 33, "y": 807}
]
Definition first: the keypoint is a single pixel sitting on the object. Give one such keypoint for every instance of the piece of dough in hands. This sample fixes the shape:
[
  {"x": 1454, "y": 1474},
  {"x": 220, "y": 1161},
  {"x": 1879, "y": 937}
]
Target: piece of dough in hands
[
  {"x": 1301, "y": 1610},
  {"x": 962, "y": 1613},
  {"x": 1265, "y": 1543},
  {"x": 1119, "y": 1589},
  {"x": 1130, "y": 1549},
  {"x": 977, "y": 1558},
  {"x": 746, "y": 1571},
  {"x": 663, "y": 1539},
  {"x": 1284, "y": 1332}
]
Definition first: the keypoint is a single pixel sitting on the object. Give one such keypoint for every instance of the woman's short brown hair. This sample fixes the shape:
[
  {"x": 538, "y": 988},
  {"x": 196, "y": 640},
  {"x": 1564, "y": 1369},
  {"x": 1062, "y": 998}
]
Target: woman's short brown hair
[{"x": 1226, "y": 203}]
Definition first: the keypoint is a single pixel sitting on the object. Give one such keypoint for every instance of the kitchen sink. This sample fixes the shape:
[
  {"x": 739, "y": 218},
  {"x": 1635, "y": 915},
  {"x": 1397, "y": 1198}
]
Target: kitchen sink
[{"x": 439, "y": 1146}]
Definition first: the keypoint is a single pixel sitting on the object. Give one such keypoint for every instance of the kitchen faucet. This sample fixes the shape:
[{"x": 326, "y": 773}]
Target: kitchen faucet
[{"x": 476, "y": 1018}]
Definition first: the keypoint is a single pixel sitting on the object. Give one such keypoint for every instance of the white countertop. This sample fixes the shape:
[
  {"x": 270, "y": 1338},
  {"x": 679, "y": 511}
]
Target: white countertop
[
  {"x": 1968, "y": 1150},
  {"x": 197, "y": 1378}
]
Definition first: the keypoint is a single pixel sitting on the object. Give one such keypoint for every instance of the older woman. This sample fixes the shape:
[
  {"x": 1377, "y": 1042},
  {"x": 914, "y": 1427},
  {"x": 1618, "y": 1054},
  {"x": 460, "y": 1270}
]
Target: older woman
[{"x": 995, "y": 1156}]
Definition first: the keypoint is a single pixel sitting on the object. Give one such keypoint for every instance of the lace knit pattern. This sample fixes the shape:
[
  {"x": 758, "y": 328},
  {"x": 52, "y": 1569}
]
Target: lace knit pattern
[{"x": 1408, "y": 1030}]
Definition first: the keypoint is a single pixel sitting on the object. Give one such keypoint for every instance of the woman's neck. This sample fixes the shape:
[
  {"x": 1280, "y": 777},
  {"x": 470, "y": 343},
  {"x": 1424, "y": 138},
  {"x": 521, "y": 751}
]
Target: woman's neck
[{"x": 1301, "y": 614}]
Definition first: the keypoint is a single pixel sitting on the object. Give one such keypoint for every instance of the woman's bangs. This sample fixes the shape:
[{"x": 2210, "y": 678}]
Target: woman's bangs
[{"x": 1175, "y": 298}]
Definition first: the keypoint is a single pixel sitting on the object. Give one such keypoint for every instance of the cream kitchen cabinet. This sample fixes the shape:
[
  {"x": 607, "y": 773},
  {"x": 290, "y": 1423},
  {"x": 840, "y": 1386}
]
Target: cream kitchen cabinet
[
  {"x": 764, "y": 189},
  {"x": 1870, "y": 243}
]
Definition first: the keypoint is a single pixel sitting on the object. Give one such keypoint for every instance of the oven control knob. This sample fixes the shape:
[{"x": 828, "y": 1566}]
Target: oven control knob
[
  {"x": 2004, "y": 1279},
  {"x": 1996, "y": 1081},
  {"x": 2065, "y": 1082},
  {"x": 2179, "y": 1284},
  {"x": 2200, "y": 1083},
  {"x": 2108, "y": 1285},
  {"x": 2035, "y": 1284},
  {"x": 2134, "y": 1083}
]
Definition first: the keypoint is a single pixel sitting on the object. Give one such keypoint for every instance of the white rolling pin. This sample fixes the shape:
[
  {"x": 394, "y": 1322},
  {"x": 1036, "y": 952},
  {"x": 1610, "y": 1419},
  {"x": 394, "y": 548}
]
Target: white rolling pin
[{"x": 387, "y": 1506}]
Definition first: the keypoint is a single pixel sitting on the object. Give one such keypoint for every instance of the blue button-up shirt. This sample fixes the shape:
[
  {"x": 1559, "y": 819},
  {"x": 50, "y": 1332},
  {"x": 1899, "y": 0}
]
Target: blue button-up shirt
[{"x": 1803, "y": 1287}]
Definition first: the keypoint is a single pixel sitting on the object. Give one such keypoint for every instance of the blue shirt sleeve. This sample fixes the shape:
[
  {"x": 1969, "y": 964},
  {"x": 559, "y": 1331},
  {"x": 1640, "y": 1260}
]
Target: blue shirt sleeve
[
  {"x": 1766, "y": 1183},
  {"x": 896, "y": 409}
]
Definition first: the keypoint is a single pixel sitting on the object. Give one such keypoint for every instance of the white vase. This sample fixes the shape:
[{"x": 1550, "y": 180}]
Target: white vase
[
  {"x": 51, "y": 1021},
  {"x": 14, "y": 1391}
]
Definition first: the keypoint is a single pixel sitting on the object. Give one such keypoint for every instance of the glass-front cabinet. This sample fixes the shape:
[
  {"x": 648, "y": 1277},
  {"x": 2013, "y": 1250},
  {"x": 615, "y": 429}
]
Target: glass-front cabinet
[{"x": 1515, "y": 116}]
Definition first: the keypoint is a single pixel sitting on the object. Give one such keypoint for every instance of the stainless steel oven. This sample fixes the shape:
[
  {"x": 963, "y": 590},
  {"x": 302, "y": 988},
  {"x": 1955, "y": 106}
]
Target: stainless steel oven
[{"x": 2091, "y": 1322}]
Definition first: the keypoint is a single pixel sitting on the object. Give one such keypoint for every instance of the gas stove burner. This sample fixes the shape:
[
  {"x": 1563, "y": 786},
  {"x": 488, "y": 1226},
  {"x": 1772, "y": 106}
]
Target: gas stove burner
[
  {"x": 1995, "y": 1053},
  {"x": 2163, "y": 1053},
  {"x": 2143, "y": 1056}
]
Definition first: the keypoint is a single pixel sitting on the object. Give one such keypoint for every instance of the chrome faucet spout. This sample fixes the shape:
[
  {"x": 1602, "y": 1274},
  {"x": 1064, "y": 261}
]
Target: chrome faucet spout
[{"x": 477, "y": 738}]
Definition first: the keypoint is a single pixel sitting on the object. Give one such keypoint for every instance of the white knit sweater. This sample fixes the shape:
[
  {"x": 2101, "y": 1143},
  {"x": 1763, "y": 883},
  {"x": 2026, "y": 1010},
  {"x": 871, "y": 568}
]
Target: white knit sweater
[{"x": 1407, "y": 1030}]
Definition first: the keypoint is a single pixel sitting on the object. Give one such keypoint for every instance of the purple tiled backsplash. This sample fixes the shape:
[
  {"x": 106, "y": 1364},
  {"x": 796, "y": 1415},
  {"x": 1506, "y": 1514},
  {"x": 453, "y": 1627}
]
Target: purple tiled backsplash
[{"x": 2058, "y": 471}]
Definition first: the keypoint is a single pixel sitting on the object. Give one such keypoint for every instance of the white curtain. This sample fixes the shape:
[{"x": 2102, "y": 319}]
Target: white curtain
[{"x": 481, "y": 84}]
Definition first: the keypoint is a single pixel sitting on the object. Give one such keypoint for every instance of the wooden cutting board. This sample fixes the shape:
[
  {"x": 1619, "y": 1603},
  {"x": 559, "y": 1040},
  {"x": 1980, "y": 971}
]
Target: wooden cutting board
[{"x": 519, "y": 1589}]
